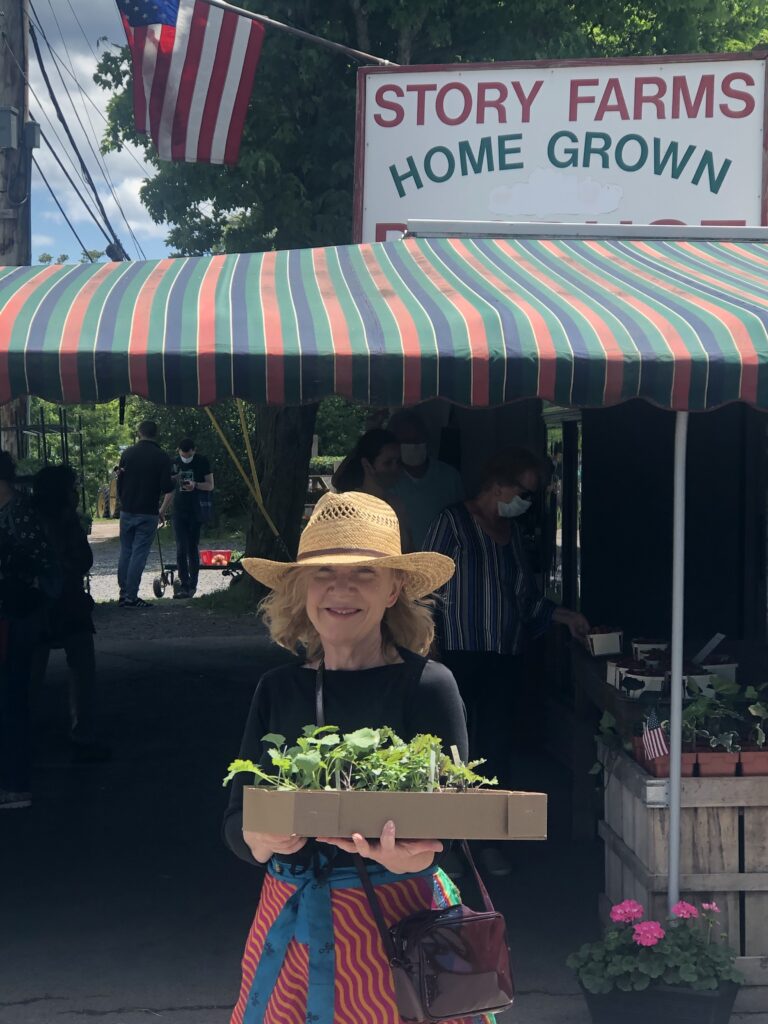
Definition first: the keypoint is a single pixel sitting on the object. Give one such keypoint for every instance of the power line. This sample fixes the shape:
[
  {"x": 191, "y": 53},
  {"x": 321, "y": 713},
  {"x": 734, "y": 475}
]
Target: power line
[
  {"x": 80, "y": 195},
  {"x": 94, "y": 151},
  {"x": 85, "y": 37},
  {"x": 119, "y": 252},
  {"x": 71, "y": 226},
  {"x": 41, "y": 109}
]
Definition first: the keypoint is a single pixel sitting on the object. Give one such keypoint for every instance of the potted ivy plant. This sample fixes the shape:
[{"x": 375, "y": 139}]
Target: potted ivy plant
[
  {"x": 331, "y": 784},
  {"x": 645, "y": 971},
  {"x": 754, "y": 756}
]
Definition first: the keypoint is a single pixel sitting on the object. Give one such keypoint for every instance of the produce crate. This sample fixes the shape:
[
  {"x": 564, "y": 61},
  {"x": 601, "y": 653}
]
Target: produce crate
[{"x": 724, "y": 855}]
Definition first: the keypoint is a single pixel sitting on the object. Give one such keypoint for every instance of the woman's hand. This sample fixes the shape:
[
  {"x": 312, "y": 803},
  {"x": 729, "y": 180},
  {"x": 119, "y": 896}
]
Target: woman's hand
[
  {"x": 576, "y": 623},
  {"x": 264, "y": 844},
  {"x": 402, "y": 856}
]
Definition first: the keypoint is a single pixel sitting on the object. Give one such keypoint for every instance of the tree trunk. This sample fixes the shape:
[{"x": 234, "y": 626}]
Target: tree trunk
[{"x": 282, "y": 448}]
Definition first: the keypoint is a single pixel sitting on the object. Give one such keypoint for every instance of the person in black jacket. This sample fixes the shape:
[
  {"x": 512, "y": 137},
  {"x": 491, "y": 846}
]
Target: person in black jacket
[
  {"x": 28, "y": 581},
  {"x": 144, "y": 479},
  {"x": 70, "y": 620}
]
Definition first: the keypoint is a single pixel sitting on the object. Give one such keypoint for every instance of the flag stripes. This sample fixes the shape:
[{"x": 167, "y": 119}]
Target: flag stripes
[{"x": 193, "y": 70}]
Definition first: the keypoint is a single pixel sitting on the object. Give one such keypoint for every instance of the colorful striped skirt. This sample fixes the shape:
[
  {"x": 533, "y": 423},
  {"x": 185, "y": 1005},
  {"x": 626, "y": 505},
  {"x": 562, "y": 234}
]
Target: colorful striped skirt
[{"x": 314, "y": 954}]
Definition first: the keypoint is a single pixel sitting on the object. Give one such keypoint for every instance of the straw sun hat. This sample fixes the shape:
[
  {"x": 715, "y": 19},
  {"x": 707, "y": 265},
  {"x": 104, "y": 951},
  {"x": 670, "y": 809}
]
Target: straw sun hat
[{"x": 357, "y": 529}]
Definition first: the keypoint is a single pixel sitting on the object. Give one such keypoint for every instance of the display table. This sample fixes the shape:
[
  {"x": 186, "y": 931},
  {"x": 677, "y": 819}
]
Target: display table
[{"x": 723, "y": 855}]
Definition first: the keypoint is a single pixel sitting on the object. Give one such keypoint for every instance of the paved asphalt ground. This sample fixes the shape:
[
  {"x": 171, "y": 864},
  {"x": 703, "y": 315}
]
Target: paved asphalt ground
[{"x": 120, "y": 903}]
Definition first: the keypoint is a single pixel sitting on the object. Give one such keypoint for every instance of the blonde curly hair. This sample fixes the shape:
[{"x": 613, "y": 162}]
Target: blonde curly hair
[{"x": 408, "y": 623}]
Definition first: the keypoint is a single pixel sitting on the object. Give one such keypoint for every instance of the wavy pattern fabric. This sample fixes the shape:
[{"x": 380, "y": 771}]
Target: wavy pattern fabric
[
  {"x": 334, "y": 976},
  {"x": 476, "y": 321}
]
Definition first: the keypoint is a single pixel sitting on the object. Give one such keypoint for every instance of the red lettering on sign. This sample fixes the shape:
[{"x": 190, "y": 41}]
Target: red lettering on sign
[
  {"x": 526, "y": 102},
  {"x": 383, "y": 231},
  {"x": 440, "y": 103},
  {"x": 421, "y": 89},
  {"x": 576, "y": 98},
  {"x": 642, "y": 96},
  {"x": 705, "y": 94},
  {"x": 747, "y": 100},
  {"x": 612, "y": 101},
  {"x": 484, "y": 102},
  {"x": 386, "y": 104}
]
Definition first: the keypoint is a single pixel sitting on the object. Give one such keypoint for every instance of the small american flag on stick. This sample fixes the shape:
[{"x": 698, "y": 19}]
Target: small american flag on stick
[
  {"x": 193, "y": 68},
  {"x": 654, "y": 740}
]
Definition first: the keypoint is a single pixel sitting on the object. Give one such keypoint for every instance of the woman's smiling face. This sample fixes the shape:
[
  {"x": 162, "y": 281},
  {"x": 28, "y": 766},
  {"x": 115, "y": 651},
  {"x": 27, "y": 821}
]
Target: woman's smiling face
[{"x": 346, "y": 604}]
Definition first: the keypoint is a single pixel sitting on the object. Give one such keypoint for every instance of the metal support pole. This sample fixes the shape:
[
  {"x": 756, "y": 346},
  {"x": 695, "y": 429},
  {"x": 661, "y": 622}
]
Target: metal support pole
[{"x": 676, "y": 690}]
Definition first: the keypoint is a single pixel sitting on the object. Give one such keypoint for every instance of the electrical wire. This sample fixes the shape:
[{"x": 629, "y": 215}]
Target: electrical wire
[
  {"x": 79, "y": 25},
  {"x": 95, "y": 151},
  {"x": 80, "y": 195},
  {"x": 71, "y": 226},
  {"x": 41, "y": 110},
  {"x": 118, "y": 249}
]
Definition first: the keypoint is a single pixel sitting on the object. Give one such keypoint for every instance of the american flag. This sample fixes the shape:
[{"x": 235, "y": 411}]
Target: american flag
[
  {"x": 193, "y": 68},
  {"x": 654, "y": 740}
]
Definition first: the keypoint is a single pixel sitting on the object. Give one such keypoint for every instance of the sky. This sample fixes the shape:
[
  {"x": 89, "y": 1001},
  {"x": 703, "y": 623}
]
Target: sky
[{"x": 78, "y": 31}]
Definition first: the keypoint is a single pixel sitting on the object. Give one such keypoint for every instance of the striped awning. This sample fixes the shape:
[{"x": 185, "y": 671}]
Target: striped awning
[{"x": 476, "y": 321}]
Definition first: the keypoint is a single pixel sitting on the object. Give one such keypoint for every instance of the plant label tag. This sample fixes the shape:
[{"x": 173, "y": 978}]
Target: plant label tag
[
  {"x": 455, "y": 755},
  {"x": 708, "y": 647}
]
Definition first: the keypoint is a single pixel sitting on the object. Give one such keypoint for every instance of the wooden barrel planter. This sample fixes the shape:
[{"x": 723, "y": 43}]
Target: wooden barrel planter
[{"x": 724, "y": 856}]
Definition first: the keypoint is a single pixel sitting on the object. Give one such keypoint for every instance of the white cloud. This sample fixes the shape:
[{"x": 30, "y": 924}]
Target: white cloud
[
  {"x": 549, "y": 192},
  {"x": 42, "y": 241}
]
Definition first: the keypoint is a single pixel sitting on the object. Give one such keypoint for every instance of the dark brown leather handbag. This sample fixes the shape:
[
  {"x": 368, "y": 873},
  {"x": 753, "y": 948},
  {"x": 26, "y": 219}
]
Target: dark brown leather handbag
[{"x": 446, "y": 964}]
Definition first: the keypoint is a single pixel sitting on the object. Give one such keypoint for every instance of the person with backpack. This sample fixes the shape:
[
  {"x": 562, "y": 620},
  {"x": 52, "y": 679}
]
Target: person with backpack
[{"x": 192, "y": 506}]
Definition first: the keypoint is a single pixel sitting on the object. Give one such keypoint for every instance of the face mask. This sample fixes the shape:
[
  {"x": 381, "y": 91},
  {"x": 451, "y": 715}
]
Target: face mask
[
  {"x": 186, "y": 459},
  {"x": 413, "y": 454},
  {"x": 512, "y": 509}
]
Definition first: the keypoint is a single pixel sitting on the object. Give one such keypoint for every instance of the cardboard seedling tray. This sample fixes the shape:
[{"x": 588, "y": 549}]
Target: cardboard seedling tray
[
  {"x": 476, "y": 814},
  {"x": 600, "y": 644}
]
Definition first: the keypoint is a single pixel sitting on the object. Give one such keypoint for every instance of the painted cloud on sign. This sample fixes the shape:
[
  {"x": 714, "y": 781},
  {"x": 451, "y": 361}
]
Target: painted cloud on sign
[{"x": 549, "y": 193}]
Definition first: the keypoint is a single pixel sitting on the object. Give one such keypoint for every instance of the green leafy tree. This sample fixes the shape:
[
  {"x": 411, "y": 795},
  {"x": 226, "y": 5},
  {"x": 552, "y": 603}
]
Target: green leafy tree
[{"x": 292, "y": 186}]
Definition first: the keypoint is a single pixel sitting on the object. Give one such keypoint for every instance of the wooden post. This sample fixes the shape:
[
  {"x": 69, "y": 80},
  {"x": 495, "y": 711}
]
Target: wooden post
[{"x": 15, "y": 179}]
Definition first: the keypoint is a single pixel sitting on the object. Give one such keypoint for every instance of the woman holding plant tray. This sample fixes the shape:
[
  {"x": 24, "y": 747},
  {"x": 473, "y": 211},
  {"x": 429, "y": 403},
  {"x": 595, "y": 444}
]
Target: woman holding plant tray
[{"x": 354, "y": 605}]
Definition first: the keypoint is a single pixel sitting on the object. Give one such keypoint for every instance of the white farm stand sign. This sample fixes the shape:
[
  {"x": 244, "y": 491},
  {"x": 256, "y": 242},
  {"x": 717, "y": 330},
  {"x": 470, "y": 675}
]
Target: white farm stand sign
[{"x": 677, "y": 140}]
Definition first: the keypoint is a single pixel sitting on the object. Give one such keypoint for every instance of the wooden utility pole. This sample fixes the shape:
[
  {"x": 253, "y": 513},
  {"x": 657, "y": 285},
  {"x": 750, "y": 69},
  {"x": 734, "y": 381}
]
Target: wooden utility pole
[{"x": 16, "y": 143}]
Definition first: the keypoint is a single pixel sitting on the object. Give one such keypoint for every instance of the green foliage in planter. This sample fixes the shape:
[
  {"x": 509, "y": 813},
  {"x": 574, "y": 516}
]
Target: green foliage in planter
[
  {"x": 636, "y": 953},
  {"x": 759, "y": 711},
  {"x": 374, "y": 760}
]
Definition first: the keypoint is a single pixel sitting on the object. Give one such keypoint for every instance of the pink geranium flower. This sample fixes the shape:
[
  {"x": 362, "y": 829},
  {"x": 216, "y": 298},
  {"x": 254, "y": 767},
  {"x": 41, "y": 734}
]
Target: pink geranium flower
[
  {"x": 627, "y": 912},
  {"x": 648, "y": 933},
  {"x": 713, "y": 907},
  {"x": 685, "y": 910}
]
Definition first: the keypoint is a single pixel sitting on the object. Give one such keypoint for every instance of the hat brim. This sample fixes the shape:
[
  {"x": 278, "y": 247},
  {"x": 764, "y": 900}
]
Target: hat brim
[{"x": 425, "y": 571}]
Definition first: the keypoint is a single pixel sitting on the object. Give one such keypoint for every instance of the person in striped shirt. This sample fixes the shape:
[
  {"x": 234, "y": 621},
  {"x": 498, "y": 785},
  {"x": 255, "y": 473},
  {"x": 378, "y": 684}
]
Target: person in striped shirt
[{"x": 491, "y": 607}]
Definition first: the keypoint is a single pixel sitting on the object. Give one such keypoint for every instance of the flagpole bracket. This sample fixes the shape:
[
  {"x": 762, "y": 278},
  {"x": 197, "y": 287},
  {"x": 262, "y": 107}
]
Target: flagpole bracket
[{"x": 657, "y": 793}]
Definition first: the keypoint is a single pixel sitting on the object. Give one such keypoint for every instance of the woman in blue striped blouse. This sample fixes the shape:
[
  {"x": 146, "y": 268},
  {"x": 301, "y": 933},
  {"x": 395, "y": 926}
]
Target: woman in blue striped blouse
[{"x": 492, "y": 606}]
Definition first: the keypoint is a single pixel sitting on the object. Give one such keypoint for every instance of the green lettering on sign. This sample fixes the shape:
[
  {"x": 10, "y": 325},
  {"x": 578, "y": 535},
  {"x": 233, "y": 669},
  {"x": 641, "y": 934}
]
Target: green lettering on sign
[
  {"x": 450, "y": 164},
  {"x": 506, "y": 149},
  {"x": 399, "y": 178},
  {"x": 468, "y": 158}
]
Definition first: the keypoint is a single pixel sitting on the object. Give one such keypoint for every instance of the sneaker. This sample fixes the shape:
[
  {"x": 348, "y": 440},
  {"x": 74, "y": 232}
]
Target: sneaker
[
  {"x": 181, "y": 594},
  {"x": 121, "y": 601},
  {"x": 14, "y": 801},
  {"x": 138, "y": 603},
  {"x": 494, "y": 862},
  {"x": 89, "y": 752}
]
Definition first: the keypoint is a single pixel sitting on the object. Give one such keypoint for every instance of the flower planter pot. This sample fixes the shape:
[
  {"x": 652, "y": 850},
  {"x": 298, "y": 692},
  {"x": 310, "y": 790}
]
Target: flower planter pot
[
  {"x": 663, "y": 1004},
  {"x": 638, "y": 750},
  {"x": 754, "y": 762},
  {"x": 716, "y": 762},
  {"x": 659, "y": 767},
  {"x": 600, "y": 644}
]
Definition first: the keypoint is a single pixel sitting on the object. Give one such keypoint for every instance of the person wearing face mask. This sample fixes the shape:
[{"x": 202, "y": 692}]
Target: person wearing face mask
[
  {"x": 426, "y": 486},
  {"x": 373, "y": 467},
  {"x": 490, "y": 608},
  {"x": 193, "y": 478}
]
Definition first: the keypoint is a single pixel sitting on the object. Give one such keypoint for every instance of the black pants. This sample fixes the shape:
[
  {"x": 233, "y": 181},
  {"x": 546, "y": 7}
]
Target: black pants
[
  {"x": 81, "y": 662},
  {"x": 187, "y": 530},
  {"x": 491, "y": 688}
]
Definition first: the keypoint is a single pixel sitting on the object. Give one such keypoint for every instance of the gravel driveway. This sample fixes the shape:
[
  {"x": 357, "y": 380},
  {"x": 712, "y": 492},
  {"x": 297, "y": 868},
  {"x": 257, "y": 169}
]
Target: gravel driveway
[{"x": 106, "y": 552}]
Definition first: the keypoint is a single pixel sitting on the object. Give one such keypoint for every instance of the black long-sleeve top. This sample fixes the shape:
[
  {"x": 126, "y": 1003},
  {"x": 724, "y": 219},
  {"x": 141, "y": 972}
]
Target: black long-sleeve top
[{"x": 412, "y": 697}]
